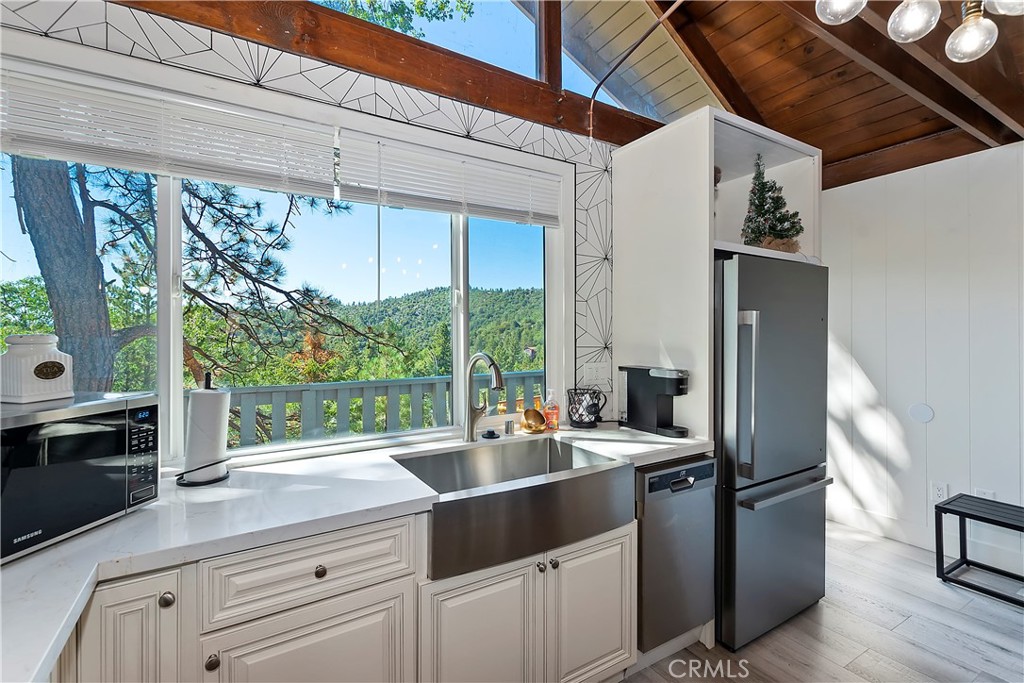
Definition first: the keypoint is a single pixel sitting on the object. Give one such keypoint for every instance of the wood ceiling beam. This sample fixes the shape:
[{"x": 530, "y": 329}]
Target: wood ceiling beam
[
  {"x": 943, "y": 145},
  {"x": 980, "y": 80},
  {"x": 882, "y": 56},
  {"x": 704, "y": 58},
  {"x": 549, "y": 43},
  {"x": 310, "y": 30}
]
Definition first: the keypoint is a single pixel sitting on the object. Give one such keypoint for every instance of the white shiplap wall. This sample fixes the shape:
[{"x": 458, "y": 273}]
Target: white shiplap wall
[{"x": 927, "y": 306}]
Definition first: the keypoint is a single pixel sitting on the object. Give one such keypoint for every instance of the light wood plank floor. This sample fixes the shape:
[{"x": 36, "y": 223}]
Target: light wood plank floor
[{"x": 885, "y": 617}]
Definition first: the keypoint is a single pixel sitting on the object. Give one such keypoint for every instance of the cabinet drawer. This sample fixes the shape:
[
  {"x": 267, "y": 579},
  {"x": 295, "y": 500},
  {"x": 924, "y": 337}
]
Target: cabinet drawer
[{"x": 254, "y": 583}]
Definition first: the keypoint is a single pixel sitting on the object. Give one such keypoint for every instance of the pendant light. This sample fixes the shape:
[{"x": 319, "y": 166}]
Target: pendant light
[
  {"x": 835, "y": 12},
  {"x": 1013, "y": 8},
  {"x": 972, "y": 38},
  {"x": 913, "y": 19}
]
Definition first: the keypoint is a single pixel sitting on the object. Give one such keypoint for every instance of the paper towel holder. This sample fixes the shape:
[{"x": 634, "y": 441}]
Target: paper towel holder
[{"x": 180, "y": 478}]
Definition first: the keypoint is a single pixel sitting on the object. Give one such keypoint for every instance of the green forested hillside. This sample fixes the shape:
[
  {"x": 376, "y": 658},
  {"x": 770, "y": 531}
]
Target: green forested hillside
[{"x": 508, "y": 324}]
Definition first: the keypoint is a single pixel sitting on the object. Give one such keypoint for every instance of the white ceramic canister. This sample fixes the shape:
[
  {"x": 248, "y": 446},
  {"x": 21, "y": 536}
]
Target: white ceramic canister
[{"x": 32, "y": 369}]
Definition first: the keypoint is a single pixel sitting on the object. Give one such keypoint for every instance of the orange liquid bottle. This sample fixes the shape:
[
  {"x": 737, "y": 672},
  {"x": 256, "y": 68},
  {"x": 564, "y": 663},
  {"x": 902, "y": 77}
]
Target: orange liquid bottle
[{"x": 551, "y": 411}]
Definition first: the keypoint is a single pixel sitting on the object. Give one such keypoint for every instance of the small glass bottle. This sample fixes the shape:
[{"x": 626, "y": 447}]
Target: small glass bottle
[{"x": 551, "y": 411}]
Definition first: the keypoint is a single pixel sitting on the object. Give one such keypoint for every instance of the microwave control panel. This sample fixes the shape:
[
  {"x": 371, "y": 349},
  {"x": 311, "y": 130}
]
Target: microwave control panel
[{"x": 143, "y": 463}]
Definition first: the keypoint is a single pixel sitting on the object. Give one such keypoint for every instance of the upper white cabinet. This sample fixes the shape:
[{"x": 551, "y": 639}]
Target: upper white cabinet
[
  {"x": 566, "y": 615},
  {"x": 794, "y": 165},
  {"x": 668, "y": 223}
]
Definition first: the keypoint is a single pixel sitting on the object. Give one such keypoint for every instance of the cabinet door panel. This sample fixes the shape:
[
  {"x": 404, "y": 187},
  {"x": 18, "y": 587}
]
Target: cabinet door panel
[
  {"x": 365, "y": 636},
  {"x": 127, "y": 636},
  {"x": 487, "y": 629},
  {"x": 590, "y": 607}
]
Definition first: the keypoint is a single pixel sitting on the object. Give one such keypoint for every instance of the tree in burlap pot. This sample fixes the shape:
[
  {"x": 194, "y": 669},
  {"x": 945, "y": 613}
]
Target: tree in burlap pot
[{"x": 768, "y": 224}]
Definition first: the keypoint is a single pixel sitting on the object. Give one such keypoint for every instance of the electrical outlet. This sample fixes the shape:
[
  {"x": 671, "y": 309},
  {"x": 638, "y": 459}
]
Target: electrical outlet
[
  {"x": 985, "y": 493},
  {"x": 940, "y": 491},
  {"x": 594, "y": 373}
]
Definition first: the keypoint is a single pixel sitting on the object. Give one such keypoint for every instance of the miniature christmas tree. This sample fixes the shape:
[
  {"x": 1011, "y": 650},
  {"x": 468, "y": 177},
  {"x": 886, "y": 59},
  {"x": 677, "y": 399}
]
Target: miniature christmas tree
[{"x": 768, "y": 223}]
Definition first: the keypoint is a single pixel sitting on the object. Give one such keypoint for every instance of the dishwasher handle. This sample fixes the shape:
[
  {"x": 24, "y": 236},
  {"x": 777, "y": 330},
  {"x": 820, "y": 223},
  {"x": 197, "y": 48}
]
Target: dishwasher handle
[
  {"x": 681, "y": 484},
  {"x": 761, "y": 503}
]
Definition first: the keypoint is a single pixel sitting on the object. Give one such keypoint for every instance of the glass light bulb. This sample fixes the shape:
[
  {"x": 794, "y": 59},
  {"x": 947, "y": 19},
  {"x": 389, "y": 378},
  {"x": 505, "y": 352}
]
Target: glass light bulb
[
  {"x": 835, "y": 12},
  {"x": 971, "y": 39},
  {"x": 913, "y": 19},
  {"x": 1013, "y": 8}
]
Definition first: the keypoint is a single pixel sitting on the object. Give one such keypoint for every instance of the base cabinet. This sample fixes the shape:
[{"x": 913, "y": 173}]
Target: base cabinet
[
  {"x": 138, "y": 630},
  {"x": 566, "y": 615},
  {"x": 590, "y": 609},
  {"x": 488, "y": 629},
  {"x": 363, "y": 636}
]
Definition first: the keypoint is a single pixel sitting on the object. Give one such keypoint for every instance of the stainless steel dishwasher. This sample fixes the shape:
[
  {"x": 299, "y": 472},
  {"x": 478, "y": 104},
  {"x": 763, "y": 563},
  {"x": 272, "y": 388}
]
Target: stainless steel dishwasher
[{"x": 676, "y": 513}]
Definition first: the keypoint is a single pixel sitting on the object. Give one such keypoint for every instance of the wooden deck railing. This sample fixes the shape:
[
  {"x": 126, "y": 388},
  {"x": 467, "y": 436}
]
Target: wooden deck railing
[{"x": 291, "y": 412}]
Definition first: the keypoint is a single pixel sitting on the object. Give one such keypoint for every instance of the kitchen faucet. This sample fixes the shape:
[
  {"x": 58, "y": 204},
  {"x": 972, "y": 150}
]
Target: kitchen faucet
[{"x": 473, "y": 411}]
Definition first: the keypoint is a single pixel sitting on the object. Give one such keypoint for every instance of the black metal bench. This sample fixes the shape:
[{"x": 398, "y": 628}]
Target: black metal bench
[{"x": 982, "y": 510}]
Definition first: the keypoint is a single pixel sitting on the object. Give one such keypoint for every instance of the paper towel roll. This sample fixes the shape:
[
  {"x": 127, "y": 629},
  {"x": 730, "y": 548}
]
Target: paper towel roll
[{"x": 206, "y": 435}]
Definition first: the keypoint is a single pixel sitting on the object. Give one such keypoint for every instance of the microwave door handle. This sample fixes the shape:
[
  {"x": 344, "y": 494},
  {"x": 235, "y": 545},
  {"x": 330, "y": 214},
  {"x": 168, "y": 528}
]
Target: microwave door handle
[{"x": 753, "y": 320}]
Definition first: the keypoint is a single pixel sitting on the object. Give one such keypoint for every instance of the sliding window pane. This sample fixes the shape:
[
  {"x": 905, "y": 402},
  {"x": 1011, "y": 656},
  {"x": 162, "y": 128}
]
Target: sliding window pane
[
  {"x": 506, "y": 309},
  {"x": 79, "y": 260},
  {"x": 320, "y": 328}
]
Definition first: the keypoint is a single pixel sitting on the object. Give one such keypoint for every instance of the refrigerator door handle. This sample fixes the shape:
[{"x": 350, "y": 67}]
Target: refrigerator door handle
[
  {"x": 753, "y": 319},
  {"x": 756, "y": 504}
]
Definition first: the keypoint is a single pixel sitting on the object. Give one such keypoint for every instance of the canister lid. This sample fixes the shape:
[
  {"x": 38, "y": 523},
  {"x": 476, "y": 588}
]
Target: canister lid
[{"x": 12, "y": 339}]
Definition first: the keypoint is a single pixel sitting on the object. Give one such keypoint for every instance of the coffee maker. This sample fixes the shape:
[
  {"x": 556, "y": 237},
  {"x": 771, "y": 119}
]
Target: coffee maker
[{"x": 645, "y": 397}]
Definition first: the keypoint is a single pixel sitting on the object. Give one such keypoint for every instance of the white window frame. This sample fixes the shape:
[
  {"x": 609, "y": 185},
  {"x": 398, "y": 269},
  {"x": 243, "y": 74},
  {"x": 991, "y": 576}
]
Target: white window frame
[{"x": 51, "y": 58}]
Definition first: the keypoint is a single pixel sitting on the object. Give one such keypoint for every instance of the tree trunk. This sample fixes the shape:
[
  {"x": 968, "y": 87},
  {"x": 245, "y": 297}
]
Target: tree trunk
[{"x": 65, "y": 246}]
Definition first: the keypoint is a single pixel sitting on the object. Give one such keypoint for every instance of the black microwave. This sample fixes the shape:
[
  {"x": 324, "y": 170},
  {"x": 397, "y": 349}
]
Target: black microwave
[{"x": 67, "y": 466}]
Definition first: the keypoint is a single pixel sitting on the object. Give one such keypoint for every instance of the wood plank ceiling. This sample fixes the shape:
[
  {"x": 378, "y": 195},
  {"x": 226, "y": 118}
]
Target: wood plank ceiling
[{"x": 871, "y": 106}]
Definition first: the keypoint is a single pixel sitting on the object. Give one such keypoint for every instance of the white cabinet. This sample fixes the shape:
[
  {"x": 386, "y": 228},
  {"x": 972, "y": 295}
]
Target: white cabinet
[
  {"x": 589, "y": 608},
  {"x": 566, "y": 615},
  {"x": 484, "y": 627},
  {"x": 670, "y": 220},
  {"x": 367, "y": 635},
  {"x": 140, "y": 629},
  {"x": 66, "y": 669}
]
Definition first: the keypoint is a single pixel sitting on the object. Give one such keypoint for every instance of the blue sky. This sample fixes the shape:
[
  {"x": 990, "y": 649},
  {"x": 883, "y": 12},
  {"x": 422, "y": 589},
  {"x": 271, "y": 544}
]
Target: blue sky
[{"x": 339, "y": 254}]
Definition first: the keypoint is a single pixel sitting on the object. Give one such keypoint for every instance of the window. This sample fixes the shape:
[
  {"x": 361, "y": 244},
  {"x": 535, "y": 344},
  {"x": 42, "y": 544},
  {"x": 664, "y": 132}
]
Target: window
[
  {"x": 295, "y": 304},
  {"x": 576, "y": 80},
  {"x": 79, "y": 261},
  {"x": 326, "y": 274},
  {"x": 594, "y": 36},
  {"x": 494, "y": 31},
  {"x": 506, "y": 309}
]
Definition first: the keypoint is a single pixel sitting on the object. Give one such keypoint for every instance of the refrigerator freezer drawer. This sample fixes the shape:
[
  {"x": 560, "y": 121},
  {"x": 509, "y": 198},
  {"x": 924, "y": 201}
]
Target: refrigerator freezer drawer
[{"x": 772, "y": 554}]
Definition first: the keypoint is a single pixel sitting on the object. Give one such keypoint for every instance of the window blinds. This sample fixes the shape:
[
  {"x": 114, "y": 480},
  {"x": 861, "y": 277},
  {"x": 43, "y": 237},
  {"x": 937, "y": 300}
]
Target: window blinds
[{"x": 153, "y": 132}]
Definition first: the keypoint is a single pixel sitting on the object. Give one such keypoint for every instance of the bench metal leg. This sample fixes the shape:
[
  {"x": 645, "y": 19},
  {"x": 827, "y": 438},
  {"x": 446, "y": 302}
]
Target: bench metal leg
[
  {"x": 963, "y": 538},
  {"x": 940, "y": 556}
]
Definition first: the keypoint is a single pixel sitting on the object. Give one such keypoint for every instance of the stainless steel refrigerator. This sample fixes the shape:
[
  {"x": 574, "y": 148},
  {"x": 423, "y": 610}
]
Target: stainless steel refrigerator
[{"x": 771, "y": 347}]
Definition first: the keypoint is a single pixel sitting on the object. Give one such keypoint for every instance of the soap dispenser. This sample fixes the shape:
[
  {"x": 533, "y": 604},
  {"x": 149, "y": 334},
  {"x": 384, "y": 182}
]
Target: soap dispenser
[{"x": 551, "y": 411}]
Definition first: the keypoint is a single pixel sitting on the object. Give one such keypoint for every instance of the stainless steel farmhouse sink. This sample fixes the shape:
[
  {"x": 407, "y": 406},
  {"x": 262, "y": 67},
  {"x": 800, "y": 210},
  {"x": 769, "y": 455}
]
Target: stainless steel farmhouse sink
[{"x": 503, "y": 501}]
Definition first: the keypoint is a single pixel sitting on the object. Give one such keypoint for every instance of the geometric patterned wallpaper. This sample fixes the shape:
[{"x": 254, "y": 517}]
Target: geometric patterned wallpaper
[{"x": 116, "y": 28}]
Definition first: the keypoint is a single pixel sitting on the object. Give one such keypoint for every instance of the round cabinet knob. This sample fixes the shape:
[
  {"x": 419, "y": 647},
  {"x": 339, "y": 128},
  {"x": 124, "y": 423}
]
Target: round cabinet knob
[
  {"x": 541, "y": 568},
  {"x": 212, "y": 663},
  {"x": 166, "y": 599},
  {"x": 555, "y": 563},
  {"x": 320, "y": 571}
]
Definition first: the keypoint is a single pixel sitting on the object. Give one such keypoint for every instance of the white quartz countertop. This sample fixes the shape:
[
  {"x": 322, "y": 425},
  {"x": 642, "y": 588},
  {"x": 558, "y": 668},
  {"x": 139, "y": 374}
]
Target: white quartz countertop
[
  {"x": 630, "y": 445},
  {"x": 45, "y": 593}
]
